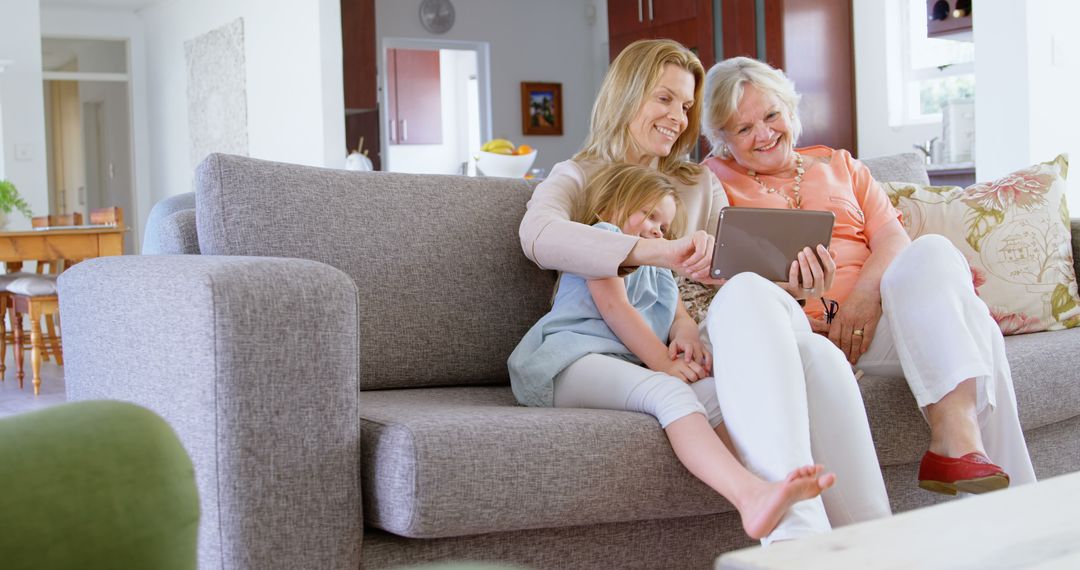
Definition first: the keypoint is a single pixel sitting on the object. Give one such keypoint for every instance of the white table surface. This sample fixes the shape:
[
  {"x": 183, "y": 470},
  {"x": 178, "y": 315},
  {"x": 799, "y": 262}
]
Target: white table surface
[{"x": 1029, "y": 526}]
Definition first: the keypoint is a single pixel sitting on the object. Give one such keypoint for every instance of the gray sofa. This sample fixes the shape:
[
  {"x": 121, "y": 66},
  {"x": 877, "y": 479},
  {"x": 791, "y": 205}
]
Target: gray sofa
[{"x": 334, "y": 361}]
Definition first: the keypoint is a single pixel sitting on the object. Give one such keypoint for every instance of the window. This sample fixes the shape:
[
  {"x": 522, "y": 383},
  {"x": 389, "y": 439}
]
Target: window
[{"x": 930, "y": 72}]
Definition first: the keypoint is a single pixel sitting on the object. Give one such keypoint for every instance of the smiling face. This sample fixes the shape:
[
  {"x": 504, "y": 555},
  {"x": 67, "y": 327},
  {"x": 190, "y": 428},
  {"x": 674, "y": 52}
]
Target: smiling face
[
  {"x": 662, "y": 116},
  {"x": 759, "y": 133},
  {"x": 651, "y": 223}
]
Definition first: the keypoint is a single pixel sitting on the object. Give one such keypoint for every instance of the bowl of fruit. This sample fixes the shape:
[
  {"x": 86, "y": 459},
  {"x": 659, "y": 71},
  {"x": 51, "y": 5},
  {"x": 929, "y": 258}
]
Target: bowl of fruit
[{"x": 500, "y": 157}]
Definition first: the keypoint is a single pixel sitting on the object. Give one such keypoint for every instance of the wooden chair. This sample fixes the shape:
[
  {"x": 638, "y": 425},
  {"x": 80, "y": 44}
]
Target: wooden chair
[{"x": 35, "y": 295}]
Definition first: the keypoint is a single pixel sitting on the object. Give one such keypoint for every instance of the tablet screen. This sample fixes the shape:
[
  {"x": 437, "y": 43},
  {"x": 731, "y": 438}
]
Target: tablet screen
[{"x": 766, "y": 240}]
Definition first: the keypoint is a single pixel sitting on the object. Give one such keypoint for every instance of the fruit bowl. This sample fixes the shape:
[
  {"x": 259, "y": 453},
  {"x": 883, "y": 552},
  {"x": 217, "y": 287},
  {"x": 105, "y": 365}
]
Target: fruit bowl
[{"x": 505, "y": 165}]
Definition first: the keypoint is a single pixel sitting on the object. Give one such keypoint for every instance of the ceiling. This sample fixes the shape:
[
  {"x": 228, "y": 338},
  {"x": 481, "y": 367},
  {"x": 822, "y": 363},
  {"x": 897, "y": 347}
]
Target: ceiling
[{"x": 112, "y": 4}]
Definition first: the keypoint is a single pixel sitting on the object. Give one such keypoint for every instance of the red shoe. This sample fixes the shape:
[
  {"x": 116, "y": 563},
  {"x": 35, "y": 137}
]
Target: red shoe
[{"x": 972, "y": 473}]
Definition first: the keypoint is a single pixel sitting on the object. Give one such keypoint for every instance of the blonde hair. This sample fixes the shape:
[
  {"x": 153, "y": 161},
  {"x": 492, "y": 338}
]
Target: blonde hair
[
  {"x": 619, "y": 190},
  {"x": 724, "y": 86},
  {"x": 632, "y": 77}
]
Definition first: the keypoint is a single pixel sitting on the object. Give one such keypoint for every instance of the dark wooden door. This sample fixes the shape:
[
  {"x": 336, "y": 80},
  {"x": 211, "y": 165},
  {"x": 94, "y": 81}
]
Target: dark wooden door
[
  {"x": 812, "y": 41},
  {"x": 627, "y": 16},
  {"x": 689, "y": 22},
  {"x": 415, "y": 97},
  {"x": 819, "y": 58},
  {"x": 660, "y": 12},
  {"x": 358, "y": 53}
]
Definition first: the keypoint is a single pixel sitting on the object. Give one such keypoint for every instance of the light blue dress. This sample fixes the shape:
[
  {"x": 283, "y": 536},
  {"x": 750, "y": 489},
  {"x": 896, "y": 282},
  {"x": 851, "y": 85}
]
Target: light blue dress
[{"x": 574, "y": 328}]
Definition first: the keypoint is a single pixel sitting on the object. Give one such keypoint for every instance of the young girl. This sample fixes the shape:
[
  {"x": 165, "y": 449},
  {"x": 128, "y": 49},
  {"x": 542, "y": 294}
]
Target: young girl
[{"x": 628, "y": 343}]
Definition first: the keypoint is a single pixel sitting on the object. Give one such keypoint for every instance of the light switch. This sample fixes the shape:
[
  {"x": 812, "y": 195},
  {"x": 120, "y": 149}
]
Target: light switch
[
  {"x": 1059, "y": 51},
  {"x": 23, "y": 152}
]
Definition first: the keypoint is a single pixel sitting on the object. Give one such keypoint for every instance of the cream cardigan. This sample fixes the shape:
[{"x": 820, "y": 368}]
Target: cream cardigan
[{"x": 552, "y": 241}]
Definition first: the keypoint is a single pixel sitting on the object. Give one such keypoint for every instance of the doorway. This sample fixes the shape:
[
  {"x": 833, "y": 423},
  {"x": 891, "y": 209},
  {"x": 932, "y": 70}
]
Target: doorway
[
  {"x": 88, "y": 127},
  {"x": 435, "y": 105}
]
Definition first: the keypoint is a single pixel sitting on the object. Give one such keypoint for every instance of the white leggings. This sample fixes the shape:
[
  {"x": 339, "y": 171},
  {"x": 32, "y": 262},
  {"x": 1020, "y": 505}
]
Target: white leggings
[
  {"x": 774, "y": 380},
  {"x": 599, "y": 381}
]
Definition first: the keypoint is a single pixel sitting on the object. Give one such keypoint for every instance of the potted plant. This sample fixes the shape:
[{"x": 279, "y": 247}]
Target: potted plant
[{"x": 10, "y": 201}]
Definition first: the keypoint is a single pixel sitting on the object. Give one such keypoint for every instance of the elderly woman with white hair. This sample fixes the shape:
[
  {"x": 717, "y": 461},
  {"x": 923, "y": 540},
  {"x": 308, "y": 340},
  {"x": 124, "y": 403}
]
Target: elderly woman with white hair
[{"x": 895, "y": 307}]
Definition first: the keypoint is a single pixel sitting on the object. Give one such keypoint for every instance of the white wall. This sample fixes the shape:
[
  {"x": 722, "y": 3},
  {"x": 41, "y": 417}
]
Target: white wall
[
  {"x": 23, "y": 104},
  {"x": 875, "y": 136},
  {"x": 295, "y": 99},
  {"x": 1027, "y": 77},
  {"x": 530, "y": 41}
]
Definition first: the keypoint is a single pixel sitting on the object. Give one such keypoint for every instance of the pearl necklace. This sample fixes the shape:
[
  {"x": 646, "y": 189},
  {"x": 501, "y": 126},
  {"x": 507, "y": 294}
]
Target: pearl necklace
[{"x": 796, "y": 203}]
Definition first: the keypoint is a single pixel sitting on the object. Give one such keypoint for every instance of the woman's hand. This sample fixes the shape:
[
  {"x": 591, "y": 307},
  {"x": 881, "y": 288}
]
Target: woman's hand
[
  {"x": 855, "y": 323},
  {"x": 810, "y": 276},
  {"x": 692, "y": 256}
]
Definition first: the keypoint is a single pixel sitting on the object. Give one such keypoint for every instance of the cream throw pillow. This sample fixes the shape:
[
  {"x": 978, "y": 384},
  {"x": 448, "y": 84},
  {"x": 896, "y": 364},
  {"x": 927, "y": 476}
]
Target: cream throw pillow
[{"x": 1014, "y": 233}]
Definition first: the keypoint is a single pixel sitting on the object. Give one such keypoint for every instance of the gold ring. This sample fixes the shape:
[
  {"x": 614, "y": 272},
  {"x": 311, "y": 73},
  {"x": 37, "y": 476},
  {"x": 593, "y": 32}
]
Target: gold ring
[{"x": 857, "y": 332}]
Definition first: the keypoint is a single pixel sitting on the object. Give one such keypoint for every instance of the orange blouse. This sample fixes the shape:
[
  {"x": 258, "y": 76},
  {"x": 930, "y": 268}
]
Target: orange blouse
[{"x": 835, "y": 182}]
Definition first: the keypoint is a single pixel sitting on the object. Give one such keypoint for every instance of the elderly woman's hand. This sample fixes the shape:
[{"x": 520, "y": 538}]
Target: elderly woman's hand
[
  {"x": 811, "y": 275},
  {"x": 855, "y": 323}
]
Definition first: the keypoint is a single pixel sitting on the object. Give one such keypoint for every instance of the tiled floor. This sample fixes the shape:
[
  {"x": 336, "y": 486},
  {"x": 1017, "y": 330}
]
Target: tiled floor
[{"x": 16, "y": 401}]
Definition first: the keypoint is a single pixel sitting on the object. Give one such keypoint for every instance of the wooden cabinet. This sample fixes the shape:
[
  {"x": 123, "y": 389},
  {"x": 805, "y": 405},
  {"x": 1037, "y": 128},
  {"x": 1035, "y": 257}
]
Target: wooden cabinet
[
  {"x": 358, "y": 56},
  {"x": 413, "y": 98},
  {"x": 689, "y": 22},
  {"x": 812, "y": 41},
  {"x": 358, "y": 53},
  {"x": 947, "y": 17}
]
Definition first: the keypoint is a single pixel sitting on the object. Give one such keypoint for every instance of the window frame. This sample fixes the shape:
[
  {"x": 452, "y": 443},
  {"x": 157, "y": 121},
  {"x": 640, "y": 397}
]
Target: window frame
[{"x": 905, "y": 105}]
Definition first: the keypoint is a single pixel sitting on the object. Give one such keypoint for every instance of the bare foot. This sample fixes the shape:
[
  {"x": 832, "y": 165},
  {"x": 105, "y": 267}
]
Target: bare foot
[{"x": 764, "y": 508}]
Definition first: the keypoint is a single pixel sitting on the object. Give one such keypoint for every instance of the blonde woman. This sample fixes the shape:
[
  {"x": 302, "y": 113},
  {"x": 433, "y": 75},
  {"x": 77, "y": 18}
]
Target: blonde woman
[
  {"x": 770, "y": 374},
  {"x": 612, "y": 343}
]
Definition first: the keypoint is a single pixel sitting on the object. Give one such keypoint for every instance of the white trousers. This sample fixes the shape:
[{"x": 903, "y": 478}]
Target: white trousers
[
  {"x": 775, "y": 380},
  {"x": 789, "y": 398},
  {"x": 936, "y": 333}
]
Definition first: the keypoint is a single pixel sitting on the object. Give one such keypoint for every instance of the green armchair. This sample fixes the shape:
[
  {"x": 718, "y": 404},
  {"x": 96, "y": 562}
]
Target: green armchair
[{"x": 95, "y": 485}]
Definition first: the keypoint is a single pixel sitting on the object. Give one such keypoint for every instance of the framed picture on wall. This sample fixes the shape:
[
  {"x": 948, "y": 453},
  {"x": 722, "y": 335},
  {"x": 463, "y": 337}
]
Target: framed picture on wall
[{"x": 541, "y": 108}]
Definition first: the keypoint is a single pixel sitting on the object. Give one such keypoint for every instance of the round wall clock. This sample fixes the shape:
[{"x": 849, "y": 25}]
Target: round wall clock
[{"x": 437, "y": 16}]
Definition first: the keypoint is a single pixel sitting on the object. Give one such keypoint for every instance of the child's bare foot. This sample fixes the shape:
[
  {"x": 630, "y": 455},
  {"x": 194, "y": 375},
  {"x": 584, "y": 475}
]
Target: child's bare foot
[{"x": 762, "y": 511}]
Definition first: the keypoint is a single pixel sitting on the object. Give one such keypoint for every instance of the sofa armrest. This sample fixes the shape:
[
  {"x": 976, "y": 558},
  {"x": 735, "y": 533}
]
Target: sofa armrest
[
  {"x": 254, "y": 363},
  {"x": 1076, "y": 246},
  {"x": 177, "y": 235}
]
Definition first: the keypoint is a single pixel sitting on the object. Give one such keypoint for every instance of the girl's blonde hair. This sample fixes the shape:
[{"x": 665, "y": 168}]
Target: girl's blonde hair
[
  {"x": 619, "y": 190},
  {"x": 629, "y": 81},
  {"x": 724, "y": 88}
]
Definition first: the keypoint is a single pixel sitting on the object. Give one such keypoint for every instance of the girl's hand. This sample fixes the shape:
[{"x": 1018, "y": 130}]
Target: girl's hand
[
  {"x": 692, "y": 350},
  {"x": 688, "y": 372},
  {"x": 810, "y": 276},
  {"x": 854, "y": 325}
]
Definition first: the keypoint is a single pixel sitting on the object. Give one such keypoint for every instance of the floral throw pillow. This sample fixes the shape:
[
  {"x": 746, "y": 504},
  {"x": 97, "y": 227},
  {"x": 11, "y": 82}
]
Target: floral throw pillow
[{"x": 1014, "y": 233}]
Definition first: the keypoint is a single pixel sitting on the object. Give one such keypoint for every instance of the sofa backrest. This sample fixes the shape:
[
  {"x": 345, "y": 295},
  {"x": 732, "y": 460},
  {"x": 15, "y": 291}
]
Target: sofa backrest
[
  {"x": 445, "y": 290},
  {"x": 905, "y": 167}
]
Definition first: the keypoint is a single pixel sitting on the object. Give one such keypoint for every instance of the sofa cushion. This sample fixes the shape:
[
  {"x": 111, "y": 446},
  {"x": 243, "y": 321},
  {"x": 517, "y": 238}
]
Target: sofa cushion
[
  {"x": 1044, "y": 370},
  {"x": 457, "y": 461},
  {"x": 1015, "y": 233},
  {"x": 445, "y": 291}
]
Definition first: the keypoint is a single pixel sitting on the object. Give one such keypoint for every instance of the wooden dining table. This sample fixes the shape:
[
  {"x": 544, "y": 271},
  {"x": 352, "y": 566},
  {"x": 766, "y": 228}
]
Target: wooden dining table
[
  {"x": 51, "y": 244},
  {"x": 75, "y": 242}
]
